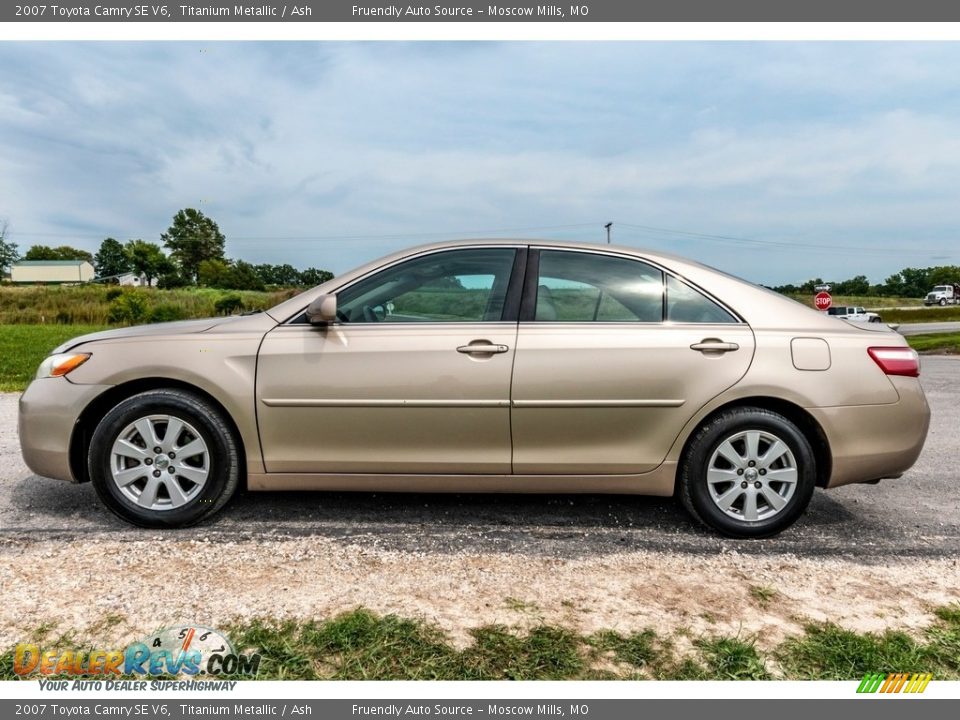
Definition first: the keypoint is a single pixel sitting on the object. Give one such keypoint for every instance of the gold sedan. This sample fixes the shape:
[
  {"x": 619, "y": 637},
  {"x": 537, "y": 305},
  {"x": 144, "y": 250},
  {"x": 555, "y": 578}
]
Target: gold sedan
[{"x": 488, "y": 366}]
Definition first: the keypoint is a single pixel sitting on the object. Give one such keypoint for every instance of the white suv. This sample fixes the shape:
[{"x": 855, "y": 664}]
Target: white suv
[{"x": 857, "y": 314}]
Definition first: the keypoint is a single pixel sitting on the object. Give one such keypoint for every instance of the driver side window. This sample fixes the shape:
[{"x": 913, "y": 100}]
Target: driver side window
[{"x": 450, "y": 286}]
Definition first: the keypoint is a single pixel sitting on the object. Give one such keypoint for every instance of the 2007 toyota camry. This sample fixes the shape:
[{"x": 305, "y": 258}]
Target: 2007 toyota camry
[{"x": 507, "y": 366}]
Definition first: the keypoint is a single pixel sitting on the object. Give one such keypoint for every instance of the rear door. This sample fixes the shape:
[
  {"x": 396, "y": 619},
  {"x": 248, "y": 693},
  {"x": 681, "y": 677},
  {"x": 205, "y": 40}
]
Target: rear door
[{"x": 613, "y": 357}]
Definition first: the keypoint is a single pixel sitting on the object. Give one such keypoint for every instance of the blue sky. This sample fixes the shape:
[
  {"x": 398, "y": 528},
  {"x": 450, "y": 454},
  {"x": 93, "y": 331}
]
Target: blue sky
[{"x": 839, "y": 158}]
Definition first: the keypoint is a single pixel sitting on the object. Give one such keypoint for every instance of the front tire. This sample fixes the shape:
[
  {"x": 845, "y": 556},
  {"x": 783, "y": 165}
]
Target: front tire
[
  {"x": 748, "y": 473},
  {"x": 164, "y": 458}
]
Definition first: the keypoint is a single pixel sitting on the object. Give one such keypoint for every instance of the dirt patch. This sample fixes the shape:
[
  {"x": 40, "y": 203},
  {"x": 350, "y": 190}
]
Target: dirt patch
[{"x": 113, "y": 592}]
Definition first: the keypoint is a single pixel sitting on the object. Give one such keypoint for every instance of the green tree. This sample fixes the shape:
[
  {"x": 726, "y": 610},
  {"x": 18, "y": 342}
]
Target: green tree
[
  {"x": 229, "y": 275},
  {"x": 313, "y": 276},
  {"x": 213, "y": 273},
  {"x": 244, "y": 277},
  {"x": 8, "y": 250},
  {"x": 148, "y": 258},
  {"x": 64, "y": 252},
  {"x": 193, "y": 238},
  {"x": 858, "y": 285},
  {"x": 111, "y": 259}
]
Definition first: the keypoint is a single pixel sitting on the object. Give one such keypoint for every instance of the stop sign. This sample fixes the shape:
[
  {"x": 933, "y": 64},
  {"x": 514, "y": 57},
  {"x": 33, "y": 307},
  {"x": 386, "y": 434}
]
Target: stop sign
[{"x": 823, "y": 301}]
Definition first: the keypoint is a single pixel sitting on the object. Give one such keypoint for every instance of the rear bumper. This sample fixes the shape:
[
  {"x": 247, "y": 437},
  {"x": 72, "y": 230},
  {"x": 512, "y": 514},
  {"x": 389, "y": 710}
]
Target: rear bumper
[
  {"x": 49, "y": 410},
  {"x": 871, "y": 442}
]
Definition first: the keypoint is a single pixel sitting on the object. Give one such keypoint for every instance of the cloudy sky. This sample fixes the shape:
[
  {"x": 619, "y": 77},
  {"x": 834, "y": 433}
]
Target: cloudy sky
[{"x": 775, "y": 161}]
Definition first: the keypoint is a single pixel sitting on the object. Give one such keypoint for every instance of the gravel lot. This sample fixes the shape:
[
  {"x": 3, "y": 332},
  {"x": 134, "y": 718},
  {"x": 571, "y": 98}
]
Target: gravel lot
[{"x": 866, "y": 556}]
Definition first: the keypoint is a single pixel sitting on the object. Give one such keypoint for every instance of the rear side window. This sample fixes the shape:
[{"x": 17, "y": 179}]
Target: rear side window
[
  {"x": 588, "y": 287},
  {"x": 687, "y": 305}
]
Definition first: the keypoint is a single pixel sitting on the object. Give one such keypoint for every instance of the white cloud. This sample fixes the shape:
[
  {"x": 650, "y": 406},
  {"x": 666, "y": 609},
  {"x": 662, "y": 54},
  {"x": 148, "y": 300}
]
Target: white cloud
[{"x": 386, "y": 139}]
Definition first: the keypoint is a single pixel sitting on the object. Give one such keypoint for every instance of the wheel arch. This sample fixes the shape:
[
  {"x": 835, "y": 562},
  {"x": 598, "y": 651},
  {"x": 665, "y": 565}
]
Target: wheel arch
[
  {"x": 807, "y": 424},
  {"x": 94, "y": 412}
]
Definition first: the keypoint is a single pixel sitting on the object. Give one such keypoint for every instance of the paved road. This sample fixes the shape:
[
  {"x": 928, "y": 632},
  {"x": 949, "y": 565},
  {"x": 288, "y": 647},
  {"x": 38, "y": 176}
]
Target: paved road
[
  {"x": 915, "y": 516},
  {"x": 927, "y": 328}
]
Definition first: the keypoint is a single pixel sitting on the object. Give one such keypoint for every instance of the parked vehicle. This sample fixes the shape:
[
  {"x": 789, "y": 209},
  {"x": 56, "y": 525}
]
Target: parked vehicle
[
  {"x": 488, "y": 366},
  {"x": 857, "y": 314},
  {"x": 943, "y": 295}
]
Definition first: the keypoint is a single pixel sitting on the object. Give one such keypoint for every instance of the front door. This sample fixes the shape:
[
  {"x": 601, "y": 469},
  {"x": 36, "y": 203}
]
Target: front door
[
  {"x": 613, "y": 357},
  {"x": 414, "y": 378}
]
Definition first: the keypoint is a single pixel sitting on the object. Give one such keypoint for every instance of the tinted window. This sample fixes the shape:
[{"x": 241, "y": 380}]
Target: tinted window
[
  {"x": 586, "y": 287},
  {"x": 686, "y": 305},
  {"x": 452, "y": 286}
]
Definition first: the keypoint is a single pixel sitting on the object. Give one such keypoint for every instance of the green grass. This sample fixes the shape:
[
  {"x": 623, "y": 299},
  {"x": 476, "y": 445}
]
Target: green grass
[
  {"x": 922, "y": 315},
  {"x": 99, "y": 304},
  {"x": 936, "y": 343},
  {"x": 22, "y": 347},
  {"x": 762, "y": 594},
  {"x": 360, "y": 645}
]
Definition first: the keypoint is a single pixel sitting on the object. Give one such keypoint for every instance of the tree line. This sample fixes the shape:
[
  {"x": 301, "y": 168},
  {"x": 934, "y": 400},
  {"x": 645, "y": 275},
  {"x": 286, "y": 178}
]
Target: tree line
[
  {"x": 195, "y": 256},
  {"x": 909, "y": 282}
]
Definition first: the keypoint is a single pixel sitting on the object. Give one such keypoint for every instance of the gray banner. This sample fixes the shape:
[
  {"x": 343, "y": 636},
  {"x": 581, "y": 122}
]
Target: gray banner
[
  {"x": 505, "y": 11},
  {"x": 873, "y": 708}
]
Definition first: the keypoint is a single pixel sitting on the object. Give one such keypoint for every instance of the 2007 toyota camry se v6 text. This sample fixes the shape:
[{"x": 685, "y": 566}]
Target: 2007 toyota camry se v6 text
[{"x": 507, "y": 366}]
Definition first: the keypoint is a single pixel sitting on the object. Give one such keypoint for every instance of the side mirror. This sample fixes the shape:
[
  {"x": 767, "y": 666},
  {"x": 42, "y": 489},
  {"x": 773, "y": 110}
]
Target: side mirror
[{"x": 322, "y": 310}]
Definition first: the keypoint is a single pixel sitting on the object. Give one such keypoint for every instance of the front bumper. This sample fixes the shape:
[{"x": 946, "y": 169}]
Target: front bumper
[
  {"x": 872, "y": 442},
  {"x": 49, "y": 411}
]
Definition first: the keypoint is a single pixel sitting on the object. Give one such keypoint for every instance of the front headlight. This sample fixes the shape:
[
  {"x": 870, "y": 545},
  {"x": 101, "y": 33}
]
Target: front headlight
[{"x": 57, "y": 365}]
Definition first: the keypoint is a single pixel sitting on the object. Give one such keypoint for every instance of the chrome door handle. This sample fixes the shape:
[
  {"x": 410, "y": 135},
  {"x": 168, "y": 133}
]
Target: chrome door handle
[
  {"x": 482, "y": 348},
  {"x": 710, "y": 345}
]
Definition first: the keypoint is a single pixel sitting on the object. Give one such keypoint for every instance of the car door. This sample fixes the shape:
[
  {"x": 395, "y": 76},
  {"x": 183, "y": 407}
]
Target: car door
[
  {"x": 614, "y": 355},
  {"x": 413, "y": 378}
]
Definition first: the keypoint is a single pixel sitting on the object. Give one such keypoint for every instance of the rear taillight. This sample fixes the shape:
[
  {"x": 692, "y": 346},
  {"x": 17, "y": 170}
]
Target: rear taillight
[{"x": 896, "y": 360}]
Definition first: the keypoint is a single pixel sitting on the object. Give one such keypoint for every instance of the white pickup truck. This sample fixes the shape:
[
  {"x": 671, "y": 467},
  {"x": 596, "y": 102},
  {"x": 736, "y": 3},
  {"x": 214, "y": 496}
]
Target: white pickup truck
[{"x": 856, "y": 314}]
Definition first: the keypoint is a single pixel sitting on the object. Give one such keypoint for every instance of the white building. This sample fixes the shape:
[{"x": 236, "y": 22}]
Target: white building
[
  {"x": 132, "y": 279},
  {"x": 51, "y": 271}
]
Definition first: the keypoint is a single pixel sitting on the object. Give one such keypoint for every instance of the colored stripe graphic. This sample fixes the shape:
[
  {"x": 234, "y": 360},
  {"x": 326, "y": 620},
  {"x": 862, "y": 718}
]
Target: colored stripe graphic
[
  {"x": 894, "y": 683},
  {"x": 870, "y": 683}
]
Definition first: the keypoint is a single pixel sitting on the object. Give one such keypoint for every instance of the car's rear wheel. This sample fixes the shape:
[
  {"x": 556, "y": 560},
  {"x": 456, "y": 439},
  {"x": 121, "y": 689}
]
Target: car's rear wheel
[
  {"x": 748, "y": 472},
  {"x": 164, "y": 458}
]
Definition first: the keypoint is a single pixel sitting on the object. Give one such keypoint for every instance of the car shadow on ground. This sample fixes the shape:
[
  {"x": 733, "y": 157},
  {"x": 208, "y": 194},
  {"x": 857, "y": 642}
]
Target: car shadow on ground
[{"x": 541, "y": 525}]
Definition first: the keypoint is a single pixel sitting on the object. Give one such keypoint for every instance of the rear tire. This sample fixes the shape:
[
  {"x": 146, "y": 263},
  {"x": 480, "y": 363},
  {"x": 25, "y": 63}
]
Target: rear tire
[
  {"x": 164, "y": 459},
  {"x": 747, "y": 473}
]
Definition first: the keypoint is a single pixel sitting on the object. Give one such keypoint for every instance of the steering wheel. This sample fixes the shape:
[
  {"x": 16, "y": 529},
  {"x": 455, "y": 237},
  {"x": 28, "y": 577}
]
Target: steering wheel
[{"x": 370, "y": 315}]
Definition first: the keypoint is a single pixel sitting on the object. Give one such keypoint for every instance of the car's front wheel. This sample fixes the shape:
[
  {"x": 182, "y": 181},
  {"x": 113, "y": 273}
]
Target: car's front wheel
[
  {"x": 164, "y": 458},
  {"x": 748, "y": 472}
]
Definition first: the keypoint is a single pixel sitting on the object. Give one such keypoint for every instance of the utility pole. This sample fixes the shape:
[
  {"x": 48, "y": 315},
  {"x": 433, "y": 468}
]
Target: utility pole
[{"x": 608, "y": 226}]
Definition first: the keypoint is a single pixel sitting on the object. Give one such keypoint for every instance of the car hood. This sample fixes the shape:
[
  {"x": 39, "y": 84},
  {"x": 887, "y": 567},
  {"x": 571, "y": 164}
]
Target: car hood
[{"x": 183, "y": 327}]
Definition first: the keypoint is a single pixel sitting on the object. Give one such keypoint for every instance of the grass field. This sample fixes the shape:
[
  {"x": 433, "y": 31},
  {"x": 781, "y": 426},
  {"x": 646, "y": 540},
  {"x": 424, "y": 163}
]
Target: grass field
[
  {"x": 938, "y": 343},
  {"x": 360, "y": 645},
  {"x": 22, "y": 347},
  {"x": 102, "y": 305},
  {"x": 922, "y": 315}
]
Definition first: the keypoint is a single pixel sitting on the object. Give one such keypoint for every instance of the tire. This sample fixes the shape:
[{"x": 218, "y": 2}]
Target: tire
[
  {"x": 707, "y": 456},
  {"x": 161, "y": 490},
  {"x": 943, "y": 302}
]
